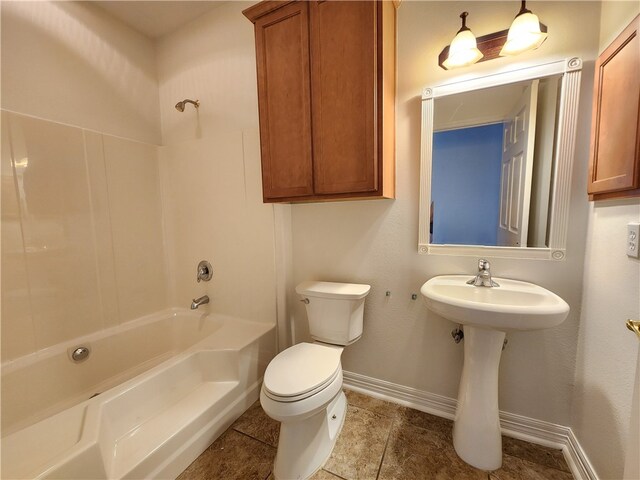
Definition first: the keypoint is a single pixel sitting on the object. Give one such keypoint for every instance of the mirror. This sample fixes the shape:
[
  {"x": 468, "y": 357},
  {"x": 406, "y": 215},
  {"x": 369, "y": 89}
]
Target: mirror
[{"x": 497, "y": 154}]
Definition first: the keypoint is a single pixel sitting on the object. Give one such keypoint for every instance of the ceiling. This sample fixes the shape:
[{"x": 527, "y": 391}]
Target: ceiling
[
  {"x": 156, "y": 18},
  {"x": 490, "y": 105}
]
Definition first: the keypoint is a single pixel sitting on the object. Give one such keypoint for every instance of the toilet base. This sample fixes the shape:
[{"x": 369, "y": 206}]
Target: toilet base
[{"x": 305, "y": 445}]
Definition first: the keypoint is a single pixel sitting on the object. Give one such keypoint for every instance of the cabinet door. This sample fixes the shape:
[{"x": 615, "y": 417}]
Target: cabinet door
[
  {"x": 615, "y": 135},
  {"x": 344, "y": 74},
  {"x": 282, "y": 54}
]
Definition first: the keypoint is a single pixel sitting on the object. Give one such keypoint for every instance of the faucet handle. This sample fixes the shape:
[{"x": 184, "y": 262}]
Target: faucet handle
[
  {"x": 483, "y": 265},
  {"x": 205, "y": 271}
]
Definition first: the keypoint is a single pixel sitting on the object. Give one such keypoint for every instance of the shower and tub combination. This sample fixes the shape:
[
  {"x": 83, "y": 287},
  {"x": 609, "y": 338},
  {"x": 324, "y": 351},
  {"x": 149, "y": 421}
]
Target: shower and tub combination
[{"x": 139, "y": 396}]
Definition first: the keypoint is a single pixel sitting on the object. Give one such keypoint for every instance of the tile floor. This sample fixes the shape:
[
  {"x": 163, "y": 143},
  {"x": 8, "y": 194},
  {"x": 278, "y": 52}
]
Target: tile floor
[{"x": 379, "y": 441}]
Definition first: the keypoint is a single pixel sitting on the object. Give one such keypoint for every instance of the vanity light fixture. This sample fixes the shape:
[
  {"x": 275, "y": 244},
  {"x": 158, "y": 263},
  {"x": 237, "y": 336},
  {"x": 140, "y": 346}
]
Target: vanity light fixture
[
  {"x": 526, "y": 33},
  {"x": 463, "y": 50}
]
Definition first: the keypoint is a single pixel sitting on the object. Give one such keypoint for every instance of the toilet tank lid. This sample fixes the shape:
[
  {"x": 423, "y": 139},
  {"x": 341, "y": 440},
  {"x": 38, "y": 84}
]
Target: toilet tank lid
[{"x": 344, "y": 291}]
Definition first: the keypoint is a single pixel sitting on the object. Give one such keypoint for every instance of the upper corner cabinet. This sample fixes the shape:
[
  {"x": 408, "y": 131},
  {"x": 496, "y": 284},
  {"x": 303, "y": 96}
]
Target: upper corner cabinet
[
  {"x": 326, "y": 98},
  {"x": 614, "y": 169}
]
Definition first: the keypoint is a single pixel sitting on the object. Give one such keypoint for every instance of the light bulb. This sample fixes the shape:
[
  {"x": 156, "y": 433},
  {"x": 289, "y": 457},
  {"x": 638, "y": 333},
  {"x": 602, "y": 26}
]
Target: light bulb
[
  {"x": 463, "y": 50},
  {"x": 524, "y": 34}
]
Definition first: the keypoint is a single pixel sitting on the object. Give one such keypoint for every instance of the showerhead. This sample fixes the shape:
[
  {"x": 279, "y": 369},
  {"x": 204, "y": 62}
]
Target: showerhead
[{"x": 180, "y": 105}]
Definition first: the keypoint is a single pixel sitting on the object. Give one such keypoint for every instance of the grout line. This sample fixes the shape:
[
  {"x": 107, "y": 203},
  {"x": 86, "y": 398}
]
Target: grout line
[
  {"x": 333, "y": 474},
  {"x": 386, "y": 444},
  {"x": 250, "y": 436}
]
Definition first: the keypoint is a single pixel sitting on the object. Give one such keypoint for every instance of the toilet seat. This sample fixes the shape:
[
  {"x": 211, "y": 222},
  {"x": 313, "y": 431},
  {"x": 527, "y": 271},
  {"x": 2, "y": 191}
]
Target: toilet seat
[{"x": 301, "y": 371}]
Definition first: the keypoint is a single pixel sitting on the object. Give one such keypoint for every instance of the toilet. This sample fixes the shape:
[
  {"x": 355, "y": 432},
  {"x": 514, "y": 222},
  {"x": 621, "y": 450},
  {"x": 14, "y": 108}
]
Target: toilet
[{"x": 302, "y": 385}]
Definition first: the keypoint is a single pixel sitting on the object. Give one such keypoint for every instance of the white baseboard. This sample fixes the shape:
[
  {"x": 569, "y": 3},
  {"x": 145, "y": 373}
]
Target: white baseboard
[{"x": 517, "y": 426}]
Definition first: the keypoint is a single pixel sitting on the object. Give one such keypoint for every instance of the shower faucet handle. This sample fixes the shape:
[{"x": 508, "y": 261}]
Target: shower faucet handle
[{"x": 205, "y": 271}]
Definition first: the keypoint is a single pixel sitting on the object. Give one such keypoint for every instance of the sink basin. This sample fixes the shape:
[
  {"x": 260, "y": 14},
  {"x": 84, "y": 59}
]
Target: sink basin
[
  {"x": 487, "y": 314},
  {"x": 514, "y": 305}
]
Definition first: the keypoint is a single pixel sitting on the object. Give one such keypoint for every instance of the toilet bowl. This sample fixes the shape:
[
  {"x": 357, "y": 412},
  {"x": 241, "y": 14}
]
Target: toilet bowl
[{"x": 302, "y": 385}]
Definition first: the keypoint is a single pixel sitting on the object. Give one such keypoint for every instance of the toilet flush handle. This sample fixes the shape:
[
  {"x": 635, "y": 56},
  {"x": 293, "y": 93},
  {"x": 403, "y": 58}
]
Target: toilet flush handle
[{"x": 305, "y": 300}]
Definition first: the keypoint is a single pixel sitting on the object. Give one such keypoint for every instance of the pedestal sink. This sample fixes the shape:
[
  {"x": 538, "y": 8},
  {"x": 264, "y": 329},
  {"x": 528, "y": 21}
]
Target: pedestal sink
[{"x": 487, "y": 313}]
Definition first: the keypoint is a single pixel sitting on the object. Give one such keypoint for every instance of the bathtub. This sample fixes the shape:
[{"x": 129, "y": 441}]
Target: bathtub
[{"x": 151, "y": 396}]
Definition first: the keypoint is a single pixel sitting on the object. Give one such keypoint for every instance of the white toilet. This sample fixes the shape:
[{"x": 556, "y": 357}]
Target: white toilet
[{"x": 302, "y": 385}]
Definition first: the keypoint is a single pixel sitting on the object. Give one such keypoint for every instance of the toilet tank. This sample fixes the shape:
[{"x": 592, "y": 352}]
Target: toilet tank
[{"x": 334, "y": 310}]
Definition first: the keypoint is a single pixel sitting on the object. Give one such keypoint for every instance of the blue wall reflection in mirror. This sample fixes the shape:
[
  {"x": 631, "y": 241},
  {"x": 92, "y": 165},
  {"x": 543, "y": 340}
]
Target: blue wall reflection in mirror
[{"x": 466, "y": 185}]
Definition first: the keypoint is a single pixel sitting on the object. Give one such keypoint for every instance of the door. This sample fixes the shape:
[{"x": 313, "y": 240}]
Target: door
[
  {"x": 344, "y": 68},
  {"x": 284, "y": 101},
  {"x": 517, "y": 167}
]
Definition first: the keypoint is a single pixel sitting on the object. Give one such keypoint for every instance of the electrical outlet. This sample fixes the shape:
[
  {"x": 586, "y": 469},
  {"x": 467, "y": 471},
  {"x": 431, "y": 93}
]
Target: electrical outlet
[{"x": 633, "y": 240}]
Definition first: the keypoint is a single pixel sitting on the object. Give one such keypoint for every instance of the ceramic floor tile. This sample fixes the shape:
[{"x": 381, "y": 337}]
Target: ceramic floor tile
[
  {"x": 514, "y": 468},
  {"x": 379, "y": 440},
  {"x": 360, "y": 446},
  {"x": 257, "y": 424},
  {"x": 371, "y": 404},
  {"x": 415, "y": 418},
  {"x": 549, "y": 457},
  {"x": 233, "y": 456},
  {"x": 420, "y": 454}
]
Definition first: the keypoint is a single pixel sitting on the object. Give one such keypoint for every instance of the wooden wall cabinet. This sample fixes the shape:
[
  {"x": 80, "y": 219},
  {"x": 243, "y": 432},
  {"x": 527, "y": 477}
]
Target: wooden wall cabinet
[
  {"x": 614, "y": 168},
  {"x": 326, "y": 98}
]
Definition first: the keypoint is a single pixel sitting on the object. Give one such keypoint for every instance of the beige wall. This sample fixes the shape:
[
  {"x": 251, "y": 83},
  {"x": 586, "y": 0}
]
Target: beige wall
[
  {"x": 70, "y": 62},
  {"x": 607, "y": 352},
  {"x": 82, "y": 242},
  {"x": 376, "y": 241},
  {"x": 212, "y": 187},
  {"x": 614, "y": 17}
]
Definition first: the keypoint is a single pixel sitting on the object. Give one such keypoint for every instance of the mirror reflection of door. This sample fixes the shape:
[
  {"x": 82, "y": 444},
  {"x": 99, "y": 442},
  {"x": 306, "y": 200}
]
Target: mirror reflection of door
[
  {"x": 492, "y": 164},
  {"x": 517, "y": 169}
]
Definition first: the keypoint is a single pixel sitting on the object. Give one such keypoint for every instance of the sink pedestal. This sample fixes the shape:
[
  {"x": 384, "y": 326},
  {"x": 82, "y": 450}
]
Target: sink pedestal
[{"x": 476, "y": 432}]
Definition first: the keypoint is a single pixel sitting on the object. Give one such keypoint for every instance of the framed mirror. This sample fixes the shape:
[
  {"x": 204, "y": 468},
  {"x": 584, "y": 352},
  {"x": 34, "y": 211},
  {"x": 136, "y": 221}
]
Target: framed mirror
[{"x": 496, "y": 161}]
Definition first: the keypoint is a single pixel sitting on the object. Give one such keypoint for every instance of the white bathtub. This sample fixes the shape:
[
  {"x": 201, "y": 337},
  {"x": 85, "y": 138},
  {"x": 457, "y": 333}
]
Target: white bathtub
[{"x": 169, "y": 384}]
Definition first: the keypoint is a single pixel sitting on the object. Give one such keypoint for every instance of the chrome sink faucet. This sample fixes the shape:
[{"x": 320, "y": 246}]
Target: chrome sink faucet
[
  {"x": 483, "y": 278},
  {"x": 199, "y": 301}
]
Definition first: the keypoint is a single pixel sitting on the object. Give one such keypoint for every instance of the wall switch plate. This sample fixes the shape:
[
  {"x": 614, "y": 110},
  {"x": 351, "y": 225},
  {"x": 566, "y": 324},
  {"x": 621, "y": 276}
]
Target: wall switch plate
[{"x": 633, "y": 240}]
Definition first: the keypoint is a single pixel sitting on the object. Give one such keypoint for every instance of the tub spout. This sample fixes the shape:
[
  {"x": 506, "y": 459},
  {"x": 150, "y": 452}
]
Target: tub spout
[{"x": 199, "y": 301}]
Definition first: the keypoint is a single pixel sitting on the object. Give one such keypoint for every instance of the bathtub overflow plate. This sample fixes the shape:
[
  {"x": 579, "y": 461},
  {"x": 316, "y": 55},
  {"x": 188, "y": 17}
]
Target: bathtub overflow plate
[{"x": 80, "y": 354}]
